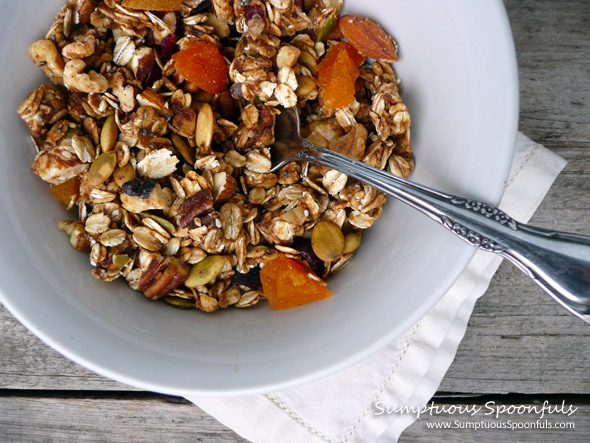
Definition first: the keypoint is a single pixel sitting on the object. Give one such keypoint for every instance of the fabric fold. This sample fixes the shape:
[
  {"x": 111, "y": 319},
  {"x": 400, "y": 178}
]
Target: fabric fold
[{"x": 352, "y": 405}]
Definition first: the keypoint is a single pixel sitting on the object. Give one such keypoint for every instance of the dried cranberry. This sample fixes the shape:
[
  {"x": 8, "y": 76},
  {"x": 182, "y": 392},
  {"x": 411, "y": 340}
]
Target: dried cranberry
[
  {"x": 303, "y": 245},
  {"x": 152, "y": 75},
  {"x": 251, "y": 279},
  {"x": 168, "y": 47},
  {"x": 253, "y": 12}
]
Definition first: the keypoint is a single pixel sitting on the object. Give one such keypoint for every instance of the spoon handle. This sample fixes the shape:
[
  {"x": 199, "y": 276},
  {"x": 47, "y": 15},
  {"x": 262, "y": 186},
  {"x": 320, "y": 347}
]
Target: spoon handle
[{"x": 558, "y": 262}]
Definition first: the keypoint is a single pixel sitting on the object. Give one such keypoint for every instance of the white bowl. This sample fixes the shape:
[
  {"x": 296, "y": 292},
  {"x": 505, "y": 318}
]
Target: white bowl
[{"x": 459, "y": 80}]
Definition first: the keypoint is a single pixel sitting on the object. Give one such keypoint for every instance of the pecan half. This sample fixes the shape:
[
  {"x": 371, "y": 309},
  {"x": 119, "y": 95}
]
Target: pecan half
[
  {"x": 161, "y": 278},
  {"x": 194, "y": 206}
]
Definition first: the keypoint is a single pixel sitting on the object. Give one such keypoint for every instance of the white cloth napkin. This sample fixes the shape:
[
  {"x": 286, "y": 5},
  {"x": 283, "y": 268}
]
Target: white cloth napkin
[{"x": 348, "y": 406}]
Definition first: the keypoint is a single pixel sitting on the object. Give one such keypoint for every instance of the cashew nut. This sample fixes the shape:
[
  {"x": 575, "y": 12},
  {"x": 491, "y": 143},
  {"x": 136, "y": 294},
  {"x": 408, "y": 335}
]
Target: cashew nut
[
  {"x": 45, "y": 55},
  {"x": 82, "y": 48},
  {"x": 76, "y": 80}
]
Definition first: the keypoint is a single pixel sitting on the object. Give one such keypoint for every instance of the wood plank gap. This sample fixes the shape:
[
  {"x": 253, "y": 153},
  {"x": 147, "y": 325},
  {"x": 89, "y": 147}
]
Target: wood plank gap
[{"x": 91, "y": 394}]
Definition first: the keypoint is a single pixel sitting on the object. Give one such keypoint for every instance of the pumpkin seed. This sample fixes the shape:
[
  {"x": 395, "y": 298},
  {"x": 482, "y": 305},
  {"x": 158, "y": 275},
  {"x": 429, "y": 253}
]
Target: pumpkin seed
[
  {"x": 183, "y": 148},
  {"x": 169, "y": 227},
  {"x": 109, "y": 133},
  {"x": 121, "y": 260},
  {"x": 308, "y": 60},
  {"x": 327, "y": 240},
  {"x": 205, "y": 271},
  {"x": 327, "y": 27},
  {"x": 124, "y": 174},
  {"x": 352, "y": 241},
  {"x": 102, "y": 168},
  {"x": 205, "y": 128},
  {"x": 180, "y": 302}
]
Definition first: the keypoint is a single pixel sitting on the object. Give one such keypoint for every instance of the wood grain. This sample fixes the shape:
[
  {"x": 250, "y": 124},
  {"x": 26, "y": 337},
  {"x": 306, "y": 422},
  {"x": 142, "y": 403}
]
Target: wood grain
[
  {"x": 117, "y": 419},
  {"x": 518, "y": 340},
  {"x": 518, "y": 423}
]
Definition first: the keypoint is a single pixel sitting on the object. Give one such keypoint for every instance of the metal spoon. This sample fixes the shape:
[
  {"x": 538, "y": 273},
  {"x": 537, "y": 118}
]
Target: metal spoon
[{"x": 557, "y": 261}]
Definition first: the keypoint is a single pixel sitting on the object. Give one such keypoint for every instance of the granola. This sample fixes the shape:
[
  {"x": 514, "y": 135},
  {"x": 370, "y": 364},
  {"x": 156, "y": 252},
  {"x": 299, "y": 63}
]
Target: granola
[{"x": 172, "y": 183}]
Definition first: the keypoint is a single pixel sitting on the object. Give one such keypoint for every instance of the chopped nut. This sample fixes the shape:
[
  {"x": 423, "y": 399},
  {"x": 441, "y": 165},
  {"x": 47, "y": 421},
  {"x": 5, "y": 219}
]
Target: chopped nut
[
  {"x": 157, "y": 164},
  {"x": 351, "y": 144},
  {"x": 224, "y": 187},
  {"x": 287, "y": 56},
  {"x": 285, "y": 95},
  {"x": 75, "y": 80},
  {"x": 82, "y": 48},
  {"x": 58, "y": 165},
  {"x": 194, "y": 206},
  {"x": 162, "y": 277},
  {"x": 45, "y": 55}
]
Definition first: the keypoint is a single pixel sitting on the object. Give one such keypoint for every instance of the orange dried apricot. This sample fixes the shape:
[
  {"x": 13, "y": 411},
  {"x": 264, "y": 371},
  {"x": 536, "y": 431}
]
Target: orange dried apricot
[
  {"x": 153, "y": 5},
  {"x": 67, "y": 190},
  {"x": 327, "y": 68},
  {"x": 337, "y": 74},
  {"x": 203, "y": 65},
  {"x": 368, "y": 37},
  {"x": 287, "y": 283}
]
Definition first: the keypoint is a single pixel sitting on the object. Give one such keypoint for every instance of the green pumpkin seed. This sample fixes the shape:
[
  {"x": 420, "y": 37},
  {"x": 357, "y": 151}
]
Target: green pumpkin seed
[
  {"x": 121, "y": 260},
  {"x": 205, "y": 271}
]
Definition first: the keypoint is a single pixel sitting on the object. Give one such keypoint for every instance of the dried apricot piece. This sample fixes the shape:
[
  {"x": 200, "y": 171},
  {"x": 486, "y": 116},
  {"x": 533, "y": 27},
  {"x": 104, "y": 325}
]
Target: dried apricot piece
[
  {"x": 67, "y": 191},
  {"x": 287, "y": 283},
  {"x": 153, "y": 5},
  {"x": 337, "y": 75},
  {"x": 203, "y": 65},
  {"x": 369, "y": 38},
  {"x": 327, "y": 67}
]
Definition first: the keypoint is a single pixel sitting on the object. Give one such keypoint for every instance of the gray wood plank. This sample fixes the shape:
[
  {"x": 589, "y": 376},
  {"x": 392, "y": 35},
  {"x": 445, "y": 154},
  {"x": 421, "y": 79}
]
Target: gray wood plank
[
  {"x": 27, "y": 363},
  {"x": 24, "y": 419},
  {"x": 165, "y": 419},
  {"x": 511, "y": 426}
]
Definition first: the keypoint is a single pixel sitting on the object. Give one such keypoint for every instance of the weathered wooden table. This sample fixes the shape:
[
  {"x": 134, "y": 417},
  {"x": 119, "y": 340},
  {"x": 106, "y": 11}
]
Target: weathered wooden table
[{"x": 520, "y": 348}]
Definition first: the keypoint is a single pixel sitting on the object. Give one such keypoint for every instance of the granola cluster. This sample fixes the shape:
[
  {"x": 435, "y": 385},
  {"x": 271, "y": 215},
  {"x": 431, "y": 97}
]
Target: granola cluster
[{"x": 168, "y": 178}]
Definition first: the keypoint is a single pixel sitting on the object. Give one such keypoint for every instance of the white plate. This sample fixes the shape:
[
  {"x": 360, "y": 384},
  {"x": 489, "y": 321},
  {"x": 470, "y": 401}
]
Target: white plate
[{"x": 459, "y": 80}]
